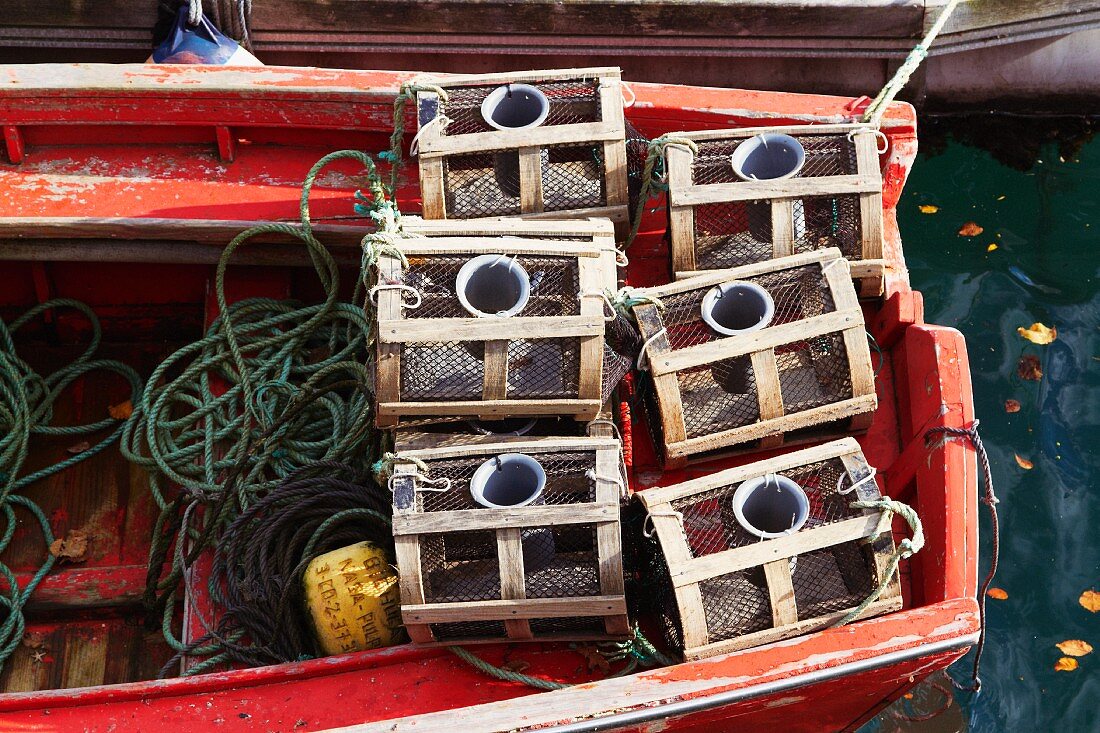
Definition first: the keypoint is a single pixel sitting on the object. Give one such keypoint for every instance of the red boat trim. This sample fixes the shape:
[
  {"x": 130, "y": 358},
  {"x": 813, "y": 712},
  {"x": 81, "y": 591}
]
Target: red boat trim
[{"x": 695, "y": 705}]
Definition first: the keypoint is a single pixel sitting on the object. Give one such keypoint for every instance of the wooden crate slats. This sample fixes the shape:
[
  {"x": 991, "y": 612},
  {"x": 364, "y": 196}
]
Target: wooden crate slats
[
  {"x": 424, "y": 515},
  {"x": 526, "y": 172},
  {"x": 800, "y": 378},
  {"x": 692, "y": 557},
  {"x": 790, "y": 228},
  {"x": 511, "y": 360}
]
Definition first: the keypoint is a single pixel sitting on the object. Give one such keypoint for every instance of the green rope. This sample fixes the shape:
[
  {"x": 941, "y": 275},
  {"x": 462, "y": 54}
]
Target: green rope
[
  {"x": 877, "y": 108},
  {"x": 395, "y": 154},
  {"x": 906, "y": 548},
  {"x": 654, "y": 162},
  {"x": 637, "y": 651},
  {"x": 627, "y": 298},
  {"x": 26, "y": 409}
]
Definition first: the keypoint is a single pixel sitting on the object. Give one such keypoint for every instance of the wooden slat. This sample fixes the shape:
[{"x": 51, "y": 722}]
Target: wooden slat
[
  {"x": 412, "y": 330},
  {"x": 855, "y": 340},
  {"x": 544, "y": 136},
  {"x": 716, "y": 193},
  {"x": 579, "y": 409},
  {"x": 473, "y": 244},
  {"x": 782, "y": 227},
  {"x": 528, "y": 516},
  {"x": 870, "y": 202},
  {"x": 766, "y": 338},
  {"x": 669, "y": 402},
  {"x": 407, "y": 554},
  {"x": 881, "y": 550},
  {"x": 591, "y": 280},
  {"x": 760, "y": 553},
  {"x": 530, "y": 179},
  {"x": 432, "y": 187},
  {"x": 664, "y": 494},
  {"x": 448, "y": 81},
  {"x": 608, "y": 537},
  {"x": 505, "y": 609},
  {"x": 708, "y": 278},
  {"x": 805, "y": 418},
  {"x": 581, "y": 229},
  {"x": 781, "y": 592},
  {"x": 616, "y": 214},
  {"x": 512, "y": 587},
  {"x": 795, "y": 130},
  {"x": 689, "y": 597},
  {"x": 769, "y": 393},
  {"x": 767, "y": 636},
  {"x": 387, "y": 375},
  {"x": 681, "y": 218},
  {"x": 494, "y": 383},
  {"x": 524, "y": 444}
]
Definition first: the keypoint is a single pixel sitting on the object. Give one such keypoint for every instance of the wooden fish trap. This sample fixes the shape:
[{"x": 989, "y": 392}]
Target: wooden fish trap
[
  {"x": 548, "y": 570},
  {"x": 805, "y": 375},
  {"x": 571, "y": 165},
  {"x": 717, "y": 220},
  {"x": 440, "y": 359},
  {"x": 719, "y": 588}
]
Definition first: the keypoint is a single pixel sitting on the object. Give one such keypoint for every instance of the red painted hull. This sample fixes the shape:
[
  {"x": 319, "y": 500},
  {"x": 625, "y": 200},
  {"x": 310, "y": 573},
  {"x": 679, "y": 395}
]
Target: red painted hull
[{"x": 142, "y": 143}]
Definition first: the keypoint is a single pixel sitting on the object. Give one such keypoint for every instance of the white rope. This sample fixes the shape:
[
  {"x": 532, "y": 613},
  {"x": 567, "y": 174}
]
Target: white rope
[
  {"x": 624, "y": 87},
  {"x": 606, "y": 300},
  {"x": 194, "y": 13},
  {"x": 615, "y": 480},
  {"x": 605, "y": 421},
  {"x": 373, "y": 294},
  {"x": 642, "y": 362},
  {"x": 884, "y": 142},
  {"x": 422, "y": 483},
  {"x": 856, "y": 485},
  {"x": 648, "y": 529},
  {"x": 441, "y": 120}
]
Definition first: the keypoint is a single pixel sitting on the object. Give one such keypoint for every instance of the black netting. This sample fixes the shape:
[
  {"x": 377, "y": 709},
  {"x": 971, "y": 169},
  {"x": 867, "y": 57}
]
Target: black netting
[
  {"x": 554, "y": 286},
  {"x": 732, "y": 233},
  {"x": 450, "y": 431},
  {"x": 561, "y": 562},
  {"x": 572, "y": 101},
  {"x": 623, "y": 342},
  {"x": 826, "y": 155},
  {"x": 460, "y": 630},
  {"x": 568, "y": 481},
  {"x": 710, "y": 525},
  {"x": 460, "y": 566},
  {"x": 566, "y": 627},
  {"x": 718, "y": 396},
  {"x": 543, "y": 368},
  {"x": 637, "y": 149},
  {"x": 829, "y": 221},
  {"x": 488, "y": 184},
  {"x": 834, "y": 579},
  {"x": 813, "y": 373},
  {"x": 659, "y": 594},
  {"x": 734, "y": 604}
]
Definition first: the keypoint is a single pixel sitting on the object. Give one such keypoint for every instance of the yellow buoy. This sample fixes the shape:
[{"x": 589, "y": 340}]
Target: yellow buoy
[{"x": 353, "y": 596}]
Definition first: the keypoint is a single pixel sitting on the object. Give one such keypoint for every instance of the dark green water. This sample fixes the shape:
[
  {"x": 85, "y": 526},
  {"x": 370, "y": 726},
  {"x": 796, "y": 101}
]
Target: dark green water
[{"x": 1045, "y": 268}]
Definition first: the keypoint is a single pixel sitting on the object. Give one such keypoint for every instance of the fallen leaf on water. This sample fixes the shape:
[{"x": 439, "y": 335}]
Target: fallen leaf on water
[
  {"x": 928, "y": 209},
  {"x": 991, "y": 248},
  {"x": 1012, "y": 406},
  {"x": 1090, "y": 599},
  {"x": 1038, "y": 333},
  {"x": 121, "y": 411},
  {"x": 1065, "y": 664},
  {"x": 997, "y": 594},
  {"x": 1074, "y": 647},
  {"x": 970, "y": 229},
  {"x": 1029, "y": 368},
  {"x": 1024, "y": 463},
  {"x": 79, "y": 447},
  {"x": 73, "y": 547},
  {"x": 1001, "y": 198},
  {"x": 909, "y": 696}
]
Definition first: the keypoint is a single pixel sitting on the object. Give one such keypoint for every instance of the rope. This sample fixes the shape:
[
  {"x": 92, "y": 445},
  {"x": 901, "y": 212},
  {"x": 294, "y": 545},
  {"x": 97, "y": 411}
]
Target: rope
[
  {"x": 194, "y": 12},
  {"x": 408, "y": 91},
  {"x": 877, "y": 108},
  {"x": 906, "y": 548},
  {"x": 26, "y": 410},
  {"x": 655, "y": 154},
  {"x": 989, "y": 498}
]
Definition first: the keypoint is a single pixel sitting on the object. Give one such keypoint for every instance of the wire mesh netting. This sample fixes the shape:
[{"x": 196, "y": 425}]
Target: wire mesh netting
[
  {"x": 554, "y": 281},
  {"x": 825, "y": 581},
  {"x": 454, "y": 370},
  {"x": 723, "y": 395},
  {"x": 488, "y": 184},
  {"x": 623, "y": 343},
  {"x": 735, "y": 233},
  {"x": 572, "y": 101}
]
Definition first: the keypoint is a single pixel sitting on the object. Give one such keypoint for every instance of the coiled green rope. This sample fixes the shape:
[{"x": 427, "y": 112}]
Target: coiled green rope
[{"x": 26, "y": 410}]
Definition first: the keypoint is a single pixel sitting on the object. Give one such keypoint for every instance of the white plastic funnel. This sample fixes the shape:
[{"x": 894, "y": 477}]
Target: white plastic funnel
[
  {"x": 508, "y": 480},
  {"x": 771, "y": 506},
  {"x": 493, "y": 285},
  {"x": 515, "y": 107},
  {"x": 737, "y": 307},
  {"x": 768, "y": 157}
]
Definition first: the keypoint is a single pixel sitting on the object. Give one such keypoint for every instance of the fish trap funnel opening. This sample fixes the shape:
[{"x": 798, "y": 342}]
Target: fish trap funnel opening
[
  {"x": 508, "y": 480},
  {"x": 737, "y": 307},
  {"x": 493, "y": 285},
  {"x": 515, "y": 107},
  {"x": 771, "y": 506},
  {"x": 768, "y": 157}
]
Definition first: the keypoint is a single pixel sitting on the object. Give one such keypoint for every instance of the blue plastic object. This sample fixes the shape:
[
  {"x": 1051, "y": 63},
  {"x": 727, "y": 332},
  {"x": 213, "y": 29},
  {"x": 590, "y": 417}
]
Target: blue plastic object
[{"x": 200, "y": 44}]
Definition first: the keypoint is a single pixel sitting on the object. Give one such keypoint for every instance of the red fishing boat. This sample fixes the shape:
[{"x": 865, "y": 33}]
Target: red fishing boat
[{"x": 120, "y": 185}]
